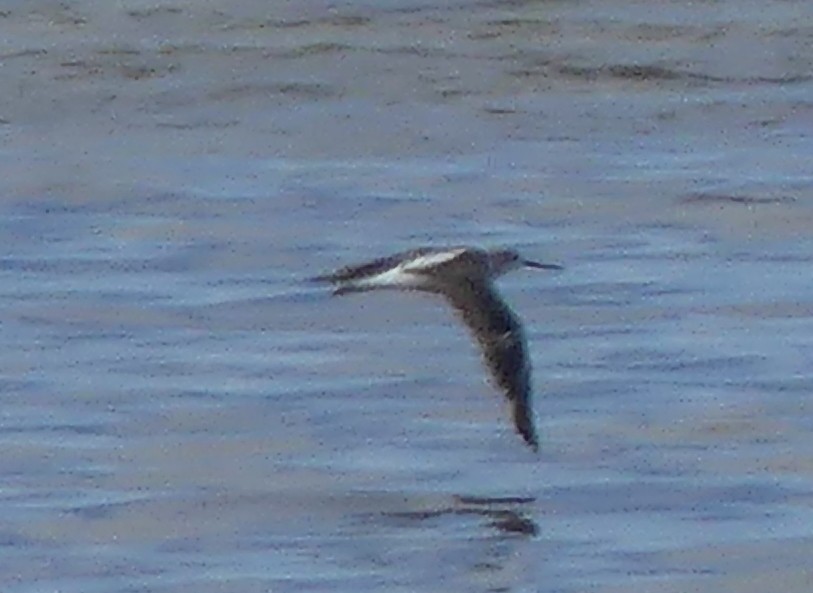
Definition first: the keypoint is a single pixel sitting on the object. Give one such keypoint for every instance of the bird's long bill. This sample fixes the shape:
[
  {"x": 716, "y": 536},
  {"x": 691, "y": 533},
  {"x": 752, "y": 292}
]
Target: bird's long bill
[{"x": 539, "y": 266}]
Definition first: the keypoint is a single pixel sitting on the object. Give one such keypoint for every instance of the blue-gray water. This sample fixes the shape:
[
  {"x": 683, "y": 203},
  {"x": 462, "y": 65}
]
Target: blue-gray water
[{"x": 182, "y": 412}]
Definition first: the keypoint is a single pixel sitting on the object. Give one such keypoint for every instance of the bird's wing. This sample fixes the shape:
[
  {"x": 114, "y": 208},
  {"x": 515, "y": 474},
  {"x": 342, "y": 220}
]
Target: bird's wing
[
  {"x": 502, "y": 341},
  {"x": 431, "y": 260},
  {"x": 372, "y": 268}
]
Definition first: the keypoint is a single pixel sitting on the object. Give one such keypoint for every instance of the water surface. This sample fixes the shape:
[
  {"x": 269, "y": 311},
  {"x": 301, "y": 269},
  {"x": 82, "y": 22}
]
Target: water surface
[{"x": 182, "y": 412}]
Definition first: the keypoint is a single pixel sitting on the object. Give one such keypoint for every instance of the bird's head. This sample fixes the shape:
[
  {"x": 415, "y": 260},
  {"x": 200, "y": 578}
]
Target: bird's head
[{"x": 503, "y": 261}]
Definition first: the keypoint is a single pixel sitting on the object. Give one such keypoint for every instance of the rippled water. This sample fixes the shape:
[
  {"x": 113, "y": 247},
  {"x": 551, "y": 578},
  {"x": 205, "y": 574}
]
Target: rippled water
[{"x": 182, "y": 412}]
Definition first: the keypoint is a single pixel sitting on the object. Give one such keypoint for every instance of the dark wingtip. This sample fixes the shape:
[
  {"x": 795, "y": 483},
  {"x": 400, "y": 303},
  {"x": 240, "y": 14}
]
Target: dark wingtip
[
  {"x": 532, "y": 441},
  {"x": 525, "y": 426}
]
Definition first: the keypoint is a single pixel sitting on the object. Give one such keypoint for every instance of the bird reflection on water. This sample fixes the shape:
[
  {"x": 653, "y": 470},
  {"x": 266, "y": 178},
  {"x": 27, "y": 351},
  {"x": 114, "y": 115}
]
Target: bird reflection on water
[{"x": 506, "y": 514}]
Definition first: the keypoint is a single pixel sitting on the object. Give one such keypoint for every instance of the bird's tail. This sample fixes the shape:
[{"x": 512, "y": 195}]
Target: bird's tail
[
  {"x": 339, "y": 288},
  {"x": 348, "y": 289}
]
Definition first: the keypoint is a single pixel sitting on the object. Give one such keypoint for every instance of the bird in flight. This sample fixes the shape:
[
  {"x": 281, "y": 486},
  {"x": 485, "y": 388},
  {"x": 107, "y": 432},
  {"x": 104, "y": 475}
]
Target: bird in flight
[{"x": 464, "y": 276}]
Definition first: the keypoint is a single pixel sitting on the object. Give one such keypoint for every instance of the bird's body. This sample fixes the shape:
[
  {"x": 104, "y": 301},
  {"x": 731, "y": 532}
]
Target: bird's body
[{"x": 465, "y": 277}]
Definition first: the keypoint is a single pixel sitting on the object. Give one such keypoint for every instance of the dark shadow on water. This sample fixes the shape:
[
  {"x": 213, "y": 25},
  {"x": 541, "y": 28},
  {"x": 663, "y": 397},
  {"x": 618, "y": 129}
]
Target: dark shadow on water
[{"x": 506, "y": 514}]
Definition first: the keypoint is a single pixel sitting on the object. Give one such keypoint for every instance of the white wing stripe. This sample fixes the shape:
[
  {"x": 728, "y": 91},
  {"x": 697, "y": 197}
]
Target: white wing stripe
[{"x": 433, "y": 259}]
